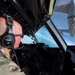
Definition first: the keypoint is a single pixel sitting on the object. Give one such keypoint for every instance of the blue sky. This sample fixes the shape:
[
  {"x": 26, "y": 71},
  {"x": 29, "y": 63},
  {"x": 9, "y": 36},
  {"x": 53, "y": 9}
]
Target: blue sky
[{"x": 61, "y": 22}]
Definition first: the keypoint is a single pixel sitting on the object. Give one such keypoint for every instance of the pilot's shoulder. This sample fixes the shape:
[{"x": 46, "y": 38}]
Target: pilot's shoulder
[{"x": 4, "y": 68}]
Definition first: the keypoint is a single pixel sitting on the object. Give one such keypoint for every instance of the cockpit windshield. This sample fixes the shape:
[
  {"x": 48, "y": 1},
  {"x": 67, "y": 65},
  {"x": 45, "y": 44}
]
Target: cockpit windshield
[
  {"x": 45, "y": 37},
  {"x": 63, "y": 20}
]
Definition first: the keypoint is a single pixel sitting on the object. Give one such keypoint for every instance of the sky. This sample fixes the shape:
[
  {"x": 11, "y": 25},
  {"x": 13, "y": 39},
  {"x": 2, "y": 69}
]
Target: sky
[{"x": 61, "y": 22}]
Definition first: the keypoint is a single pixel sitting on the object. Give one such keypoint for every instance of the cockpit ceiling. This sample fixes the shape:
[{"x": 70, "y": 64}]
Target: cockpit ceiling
[
  {"x": 11, "y": 9},
  {"x": 29, "y": 13}
]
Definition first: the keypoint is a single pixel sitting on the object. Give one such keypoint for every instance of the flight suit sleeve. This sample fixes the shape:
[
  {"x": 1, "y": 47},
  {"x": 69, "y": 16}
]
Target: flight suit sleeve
[{"x": 5, "y": 70}]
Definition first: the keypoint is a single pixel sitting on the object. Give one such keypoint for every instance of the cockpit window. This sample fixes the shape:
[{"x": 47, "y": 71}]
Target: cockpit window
[
  {"x": 44, "y": 36},
  {"x": 64, "y": 20}
]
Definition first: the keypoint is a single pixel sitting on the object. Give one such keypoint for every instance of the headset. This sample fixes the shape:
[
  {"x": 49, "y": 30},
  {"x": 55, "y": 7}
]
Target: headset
[{"x": 7, "y": 40}]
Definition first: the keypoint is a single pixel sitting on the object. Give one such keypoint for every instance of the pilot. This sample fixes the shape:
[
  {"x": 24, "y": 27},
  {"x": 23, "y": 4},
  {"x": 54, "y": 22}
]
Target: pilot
[{"x": 10, "y": 37}]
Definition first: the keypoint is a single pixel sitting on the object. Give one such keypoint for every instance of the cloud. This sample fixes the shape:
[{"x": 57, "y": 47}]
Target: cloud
[{"x": 27, "y": 39}]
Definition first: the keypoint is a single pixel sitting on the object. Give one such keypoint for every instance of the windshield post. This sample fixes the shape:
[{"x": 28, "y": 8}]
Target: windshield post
[{"x": 54, "y": 32}]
